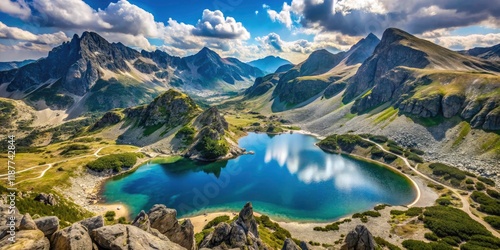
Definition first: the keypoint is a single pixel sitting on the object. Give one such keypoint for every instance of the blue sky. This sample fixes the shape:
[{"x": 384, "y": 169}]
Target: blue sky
[{"x": 241, "y": 28}]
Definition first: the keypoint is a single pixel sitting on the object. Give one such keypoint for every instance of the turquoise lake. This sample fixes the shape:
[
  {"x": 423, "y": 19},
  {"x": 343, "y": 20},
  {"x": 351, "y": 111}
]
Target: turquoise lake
[{"x": 288, "y": 178}]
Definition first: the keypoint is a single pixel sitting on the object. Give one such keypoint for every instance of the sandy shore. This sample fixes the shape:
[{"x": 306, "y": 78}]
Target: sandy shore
[
  {"x": 120, "y": 209},
  {"x": 199, "y": 221}
]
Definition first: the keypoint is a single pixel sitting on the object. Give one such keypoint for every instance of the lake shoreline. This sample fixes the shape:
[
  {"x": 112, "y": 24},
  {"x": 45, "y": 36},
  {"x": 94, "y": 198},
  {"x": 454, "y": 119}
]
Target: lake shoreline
[{"x": 101, "y": 202}]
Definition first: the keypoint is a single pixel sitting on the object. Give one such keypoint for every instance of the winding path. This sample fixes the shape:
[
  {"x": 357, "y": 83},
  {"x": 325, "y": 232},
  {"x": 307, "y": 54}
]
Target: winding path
[
  {"x": 50, "y": 165},
  {"x": 465, "y": 203}
]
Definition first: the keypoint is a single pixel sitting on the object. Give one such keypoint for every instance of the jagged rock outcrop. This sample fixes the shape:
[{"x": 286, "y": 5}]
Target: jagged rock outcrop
[
  {"x": 359, "y": 239},
  {"x": 108, "y": 119},
  {"x": 262, "y": 85},
  {"x": 314, "y": 75},
  {"x": 73, "y": 237},
  {"x": 241, "y": 233},
  {"x": 26, "y": 239},
  {"x": 290, "y": 245},
  {"x": 129, "y": 237},
  {"x": 211, "y": 142},
  {"x": 92, "y": 234},
  {"x": 165, "y": 221},
  {"x": 27, "y": 223},
  {"x": 142, "y": 221},
  {"x": 48, "y": 225},
  {"x": 78, "y": 63},
  {"x": 92, "y": 222},
  {"x": 171, "y": 109},
  {"x": 48, "y": 199}
]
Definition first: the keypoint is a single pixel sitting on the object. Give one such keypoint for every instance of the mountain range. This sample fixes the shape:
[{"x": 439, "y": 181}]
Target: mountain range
[
  {"x": 269, "y": 64},
  {"x": 90, "y": 74}
]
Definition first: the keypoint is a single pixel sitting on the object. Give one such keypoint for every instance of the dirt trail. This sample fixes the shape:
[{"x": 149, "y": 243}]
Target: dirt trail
[{"x": 464, "y": 199}]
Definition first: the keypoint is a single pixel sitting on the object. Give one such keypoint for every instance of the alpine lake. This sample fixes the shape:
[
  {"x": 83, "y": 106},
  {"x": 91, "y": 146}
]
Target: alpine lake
[{"x": 287, "y": 178}]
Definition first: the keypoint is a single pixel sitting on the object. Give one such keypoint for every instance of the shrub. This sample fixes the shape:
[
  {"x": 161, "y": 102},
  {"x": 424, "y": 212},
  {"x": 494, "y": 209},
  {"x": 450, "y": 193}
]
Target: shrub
[
  {"x": 414, "y": 211},
  {"x": 487, "y": 204},
  {"x": 377, "y": 152},
  {"x": 494, "y": 221},
  {"x": 488, "y": 181},
  {"x": 378, "y": 138},
  {"x": 480, "y": 186},
  {"x": 216, "y": 221},
  {"x": 115, "y": 162},
  {"x": 469, "y": 181},
  {"x": 110, "y": 215},
  {"x": 431, "y": 236},
  {"x": 122, "y": 220},
  {"x": 415, "y": 158},
  {"x": 329, "y": 143},
  {"x": 380, "y": 207},
  {"x": 186, "y": 134},
  {"x": 448, "y": 172},
  {"x": 212, "y": 149},
  {"x": 389, "y": 157},
  {"x": 396, "y": 150},
  {"x": 493, "y": 193},
  {"x": 443, "y": 202},
  {"x": 397, "y": 212},
  {"x": 417, "y": 151},
  {"x": 384, "y": 243},
  {"x": 74, "y": 149},
  {"x": 448, "y": 221}
]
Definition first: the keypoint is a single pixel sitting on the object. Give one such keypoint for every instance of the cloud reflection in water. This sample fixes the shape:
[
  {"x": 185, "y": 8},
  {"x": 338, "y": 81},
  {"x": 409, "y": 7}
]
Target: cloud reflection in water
[{"x": 312, "y": 166}]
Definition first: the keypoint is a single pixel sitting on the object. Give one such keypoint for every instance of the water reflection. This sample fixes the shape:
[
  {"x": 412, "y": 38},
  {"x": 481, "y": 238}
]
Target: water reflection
[{"x": 311, "y": 165}]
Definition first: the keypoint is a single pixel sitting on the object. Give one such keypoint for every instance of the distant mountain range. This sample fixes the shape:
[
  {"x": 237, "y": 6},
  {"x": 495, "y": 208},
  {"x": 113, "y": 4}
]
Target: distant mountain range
[
  {"x": 269, "y": 64},
  {"x": 13, "y": 65},
  {"x": 489, "y": 53},
  {"x": 90, "y": 74}
]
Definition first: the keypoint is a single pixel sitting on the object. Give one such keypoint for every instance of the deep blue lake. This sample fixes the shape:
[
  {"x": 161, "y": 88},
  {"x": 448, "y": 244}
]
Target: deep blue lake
[{"x": 288, "y": 178}]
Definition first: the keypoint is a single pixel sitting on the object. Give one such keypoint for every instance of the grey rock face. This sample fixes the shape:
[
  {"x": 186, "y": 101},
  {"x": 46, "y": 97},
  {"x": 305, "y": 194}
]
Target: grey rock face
[
  {"x": 27, "y": 239},
  {"x": 48, "y": 225},
  {"x": 171, "y": 108},
  {"x": 27, "y": 223},
  {"x": 142, "y": 221},
  {"x": 452, "y": 105},
  {"x": 109, "y": 118},
  {"x": 247, "y": 221},
  {"x": 359, "y": 239},
  {"x": 242, "y": 233},
  {"x": 290, "y": 245},
  {"x": 93, "y": 222},
  {"x": 48, "y": 199},
  {"x": 128, "y": 237},
  {"x": 73, "y": 237},
  {"x": 164, "y": 220}
]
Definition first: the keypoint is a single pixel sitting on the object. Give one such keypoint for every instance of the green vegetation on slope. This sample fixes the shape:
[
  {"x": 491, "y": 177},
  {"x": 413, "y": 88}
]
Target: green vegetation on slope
[
  {"x": 51, "y": 96},
  {"x": 212, "y": 149},
  {"x": 116, "y": 162}
]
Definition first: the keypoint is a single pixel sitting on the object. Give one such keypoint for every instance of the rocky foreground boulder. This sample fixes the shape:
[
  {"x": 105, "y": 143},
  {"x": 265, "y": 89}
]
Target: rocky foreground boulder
[
  {"x": 242, "y": 233},
  {"x": 156, "y": 229},
  {"x": 359, "y": 239}
]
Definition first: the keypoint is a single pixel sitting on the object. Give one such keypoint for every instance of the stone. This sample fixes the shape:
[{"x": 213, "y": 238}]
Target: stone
[
  {"x": 128, "y": 237},
  {"x": 48, "y": 225},
  {"x": 289, "y": 244},
  {"x": 72, "y": 237},
  {"x": 27, "y": 223},
  {"x": 92, "y": 222},
  {"x": 164, "y": 220},
  {"x": 26, "y": 240},
  {"x": 247, "y": 221},
  {"x": 142, "y": 221},
  {"x": 239, "y": 234},
  {"x": 48, "y": 199},
  {"x": 359, "y": 239}
]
